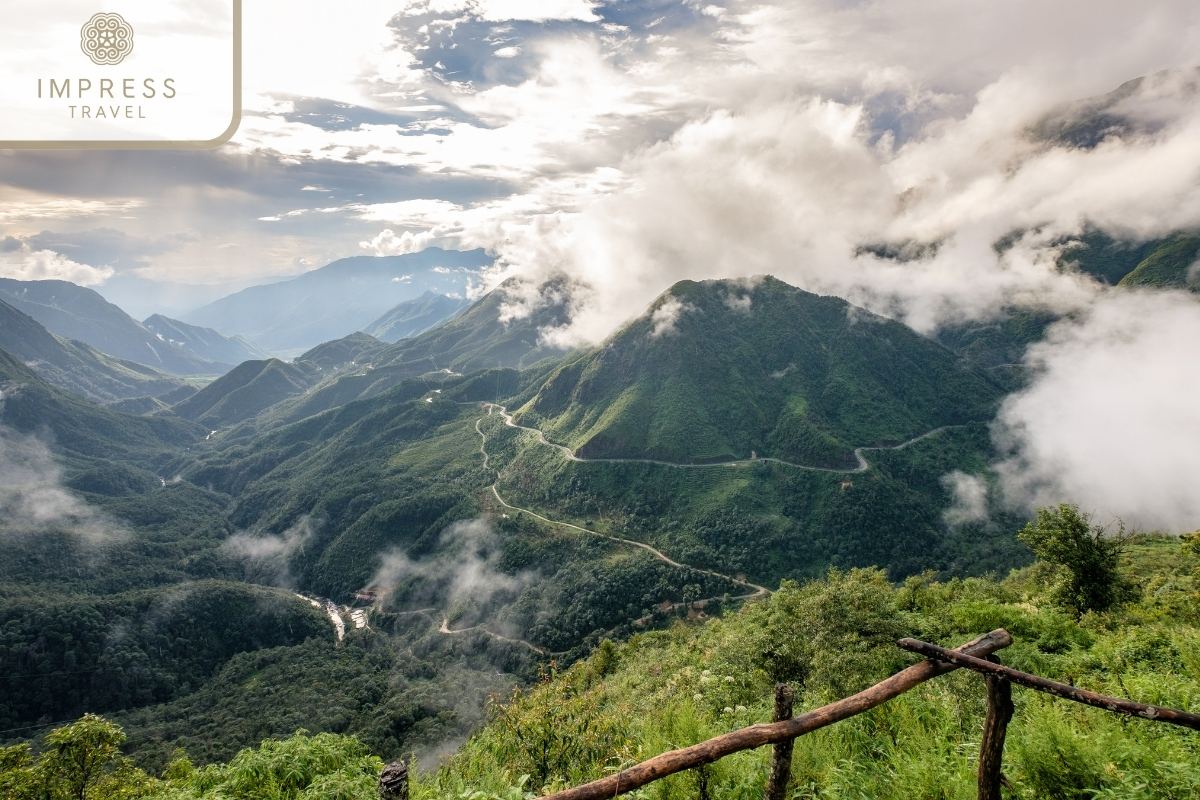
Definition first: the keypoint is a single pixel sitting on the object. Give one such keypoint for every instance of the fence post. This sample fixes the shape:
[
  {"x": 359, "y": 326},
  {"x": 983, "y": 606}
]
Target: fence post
[
  {"x": 393, "y": 783},
  {"x": 991, "y": 749},
  {"x": 781, "y": 754}
]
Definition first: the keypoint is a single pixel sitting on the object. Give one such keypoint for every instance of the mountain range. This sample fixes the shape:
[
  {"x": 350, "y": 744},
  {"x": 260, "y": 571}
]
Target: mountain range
[
  {"x": 75, "y": 312},
  {"x": 344, "y": 296},
  {"x": 158, "y": 580},
  {"x": 203, "y": 342},
  {"x": 79, "y": 367}
]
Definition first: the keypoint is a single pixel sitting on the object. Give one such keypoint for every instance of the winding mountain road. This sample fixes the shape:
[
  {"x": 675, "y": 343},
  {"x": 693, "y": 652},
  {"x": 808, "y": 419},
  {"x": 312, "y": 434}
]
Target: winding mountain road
[
  {"x": 757, "y": 591},
  {"x": 863, "y": 466}
]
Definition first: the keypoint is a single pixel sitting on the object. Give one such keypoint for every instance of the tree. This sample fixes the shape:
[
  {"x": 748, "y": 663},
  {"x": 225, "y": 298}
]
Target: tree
[
  {"x": 79, "y": 753},
  {"x": 1086, "y": 555},
  {"x": 82, "y": 761}
]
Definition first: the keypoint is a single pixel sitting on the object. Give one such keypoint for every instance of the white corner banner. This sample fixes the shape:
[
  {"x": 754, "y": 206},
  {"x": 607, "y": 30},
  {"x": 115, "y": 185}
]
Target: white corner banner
[{"x": 119, "y": 74}]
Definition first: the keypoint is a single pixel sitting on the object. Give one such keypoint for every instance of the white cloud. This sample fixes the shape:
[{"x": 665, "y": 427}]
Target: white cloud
[
  {"x": 667, "y": 315},
  {"x": 33, "y": 499},
  {"x": 40, "y": 265},
  {"x": 387, "y": 243},
  {"x": 268, "y": 557},
  {"x": 507, "y": 10},
  {"x": 465, "y": 581},
  {"x": 736, "y": 303},
  {"x": 968, "y": 496},
  {"x": 1111, "y": 422}
]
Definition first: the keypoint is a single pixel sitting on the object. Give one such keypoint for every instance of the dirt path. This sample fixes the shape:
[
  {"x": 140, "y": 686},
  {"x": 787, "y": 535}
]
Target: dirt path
[{"x": 445, "y": 628}]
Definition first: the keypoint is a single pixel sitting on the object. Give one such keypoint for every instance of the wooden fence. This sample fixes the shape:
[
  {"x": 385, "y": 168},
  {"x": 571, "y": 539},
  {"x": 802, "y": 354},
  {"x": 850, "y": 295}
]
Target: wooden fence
[{"x": 977, "y": 656}]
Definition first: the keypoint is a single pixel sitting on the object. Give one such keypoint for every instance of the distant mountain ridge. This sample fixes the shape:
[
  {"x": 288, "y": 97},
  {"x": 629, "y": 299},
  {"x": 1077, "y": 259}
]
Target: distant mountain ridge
[
  {"x": 359, "y": 366},
  {"x": 75, "y": 312},
  {"x": 76, "y": 366},
  {"x": 414, "y": 317},
  {"x": 204, "y": 342},
  {"x": 342, "y": 297}
]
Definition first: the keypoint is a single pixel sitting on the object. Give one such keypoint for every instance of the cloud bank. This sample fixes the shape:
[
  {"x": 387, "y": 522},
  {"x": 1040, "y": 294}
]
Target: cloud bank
[
  {"x": 268, "y": 558},
  {"x": 461, "y": 586},
  {"x": 1112, "y": 423}
]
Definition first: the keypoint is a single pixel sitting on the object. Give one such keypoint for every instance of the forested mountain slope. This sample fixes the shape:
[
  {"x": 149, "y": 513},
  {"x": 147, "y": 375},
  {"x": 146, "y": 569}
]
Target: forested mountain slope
[
  {"x": 719, "y": 370},
  {"x": 76, "y": 366}
]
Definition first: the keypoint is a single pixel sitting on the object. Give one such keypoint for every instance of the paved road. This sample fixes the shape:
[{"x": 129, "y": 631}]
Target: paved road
[{"x": 863, "y": 466}]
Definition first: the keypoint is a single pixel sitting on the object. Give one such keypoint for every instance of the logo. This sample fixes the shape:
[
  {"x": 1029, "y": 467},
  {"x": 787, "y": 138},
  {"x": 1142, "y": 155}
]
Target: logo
[
  {"x": 175, "y": 87},
  {"x": 107, "y": 39}
]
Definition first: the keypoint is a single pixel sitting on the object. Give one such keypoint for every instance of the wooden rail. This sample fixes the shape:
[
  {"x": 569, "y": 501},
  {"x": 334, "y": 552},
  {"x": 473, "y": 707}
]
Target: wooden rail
[
  {"x": 707, "y": 752},
  {"x": 1113, "y": 704},
  {"x": 977, "y": 656}
]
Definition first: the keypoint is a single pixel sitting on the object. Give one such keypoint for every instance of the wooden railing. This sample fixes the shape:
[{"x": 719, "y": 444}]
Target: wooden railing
[{"x": 977, "y": 656}]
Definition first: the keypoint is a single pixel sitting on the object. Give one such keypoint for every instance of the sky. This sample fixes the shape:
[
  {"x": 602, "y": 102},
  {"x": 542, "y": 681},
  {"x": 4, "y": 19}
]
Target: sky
[{"x": 633, "y": 144}]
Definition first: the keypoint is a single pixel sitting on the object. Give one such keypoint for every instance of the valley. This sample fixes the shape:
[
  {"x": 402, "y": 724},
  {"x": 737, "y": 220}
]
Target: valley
[{"x": 428, "y": 522}]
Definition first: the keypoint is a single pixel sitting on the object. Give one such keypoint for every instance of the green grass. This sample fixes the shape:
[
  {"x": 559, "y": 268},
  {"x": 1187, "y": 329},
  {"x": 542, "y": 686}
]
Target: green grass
[{"x": 669, "y": 689}]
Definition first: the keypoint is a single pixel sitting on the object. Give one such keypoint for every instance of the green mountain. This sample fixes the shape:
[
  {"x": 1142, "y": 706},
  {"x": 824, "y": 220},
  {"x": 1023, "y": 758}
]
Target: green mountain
[
  {"x": 719, "y": 370},
  {"x": 76, "y": 366},
  {"x": 204, "y": 342},
  {"x": 74, "y": 312},
  {"x": 81, "y": 428},
  {"x": 246, "y": 390},
  {"x": 357, "y": 348},
  {"x": 414, "y": 317},
  {"x": 1107, "y": 259},
  {"x": 1171, "y": 264},
  {"x": 337, "y": 299},
  {"x": 364, "y": 465}
]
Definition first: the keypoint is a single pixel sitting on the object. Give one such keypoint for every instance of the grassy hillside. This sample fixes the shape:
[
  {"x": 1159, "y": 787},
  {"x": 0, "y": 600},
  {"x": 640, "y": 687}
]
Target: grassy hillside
[
  {"x": 830, "y": 638},
  {"x": 671, "y": 688},
  {"x": 78, "y": 367},
  {"x": 720, "y": 370},
  {"x": 1170, "y": 265}
]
